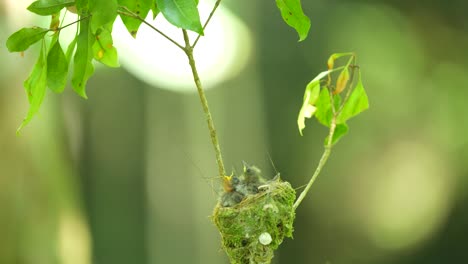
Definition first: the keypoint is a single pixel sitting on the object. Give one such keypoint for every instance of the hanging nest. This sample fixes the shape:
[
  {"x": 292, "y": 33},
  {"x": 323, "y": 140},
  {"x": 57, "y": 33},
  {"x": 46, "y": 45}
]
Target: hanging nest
[{"x": 254, "y": 221}]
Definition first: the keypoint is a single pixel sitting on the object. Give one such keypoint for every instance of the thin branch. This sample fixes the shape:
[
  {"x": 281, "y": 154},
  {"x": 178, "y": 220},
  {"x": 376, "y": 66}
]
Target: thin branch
[
  {"x": 207, "y": 21},
  {"x": 129, "y": 13},
  {"x": 323, "y": 160},
  {"x": 214, "y": 138},
  {"x": 332, "y": 99},
  {"x": 72, "y": 23}
]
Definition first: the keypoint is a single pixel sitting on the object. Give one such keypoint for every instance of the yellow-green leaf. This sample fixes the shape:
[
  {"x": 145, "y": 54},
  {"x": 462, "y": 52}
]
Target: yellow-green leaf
[
  {"x": 83, "y": 67},
  {"x": 103, "y": 12},
  {"x": 181, "y": 13},
  {"x": 324, "y": 113},
  {"x": 49, "y": 7},
  {"x": 57, "y": 68},
  {"x": 356, "y": 103},
  {"x": 71, "y": 49},
  {"x": 291, "y": 11},
  {"x": 25, "y": 37},
  {"x": 138, "y": 7},
  {"x": 340, "y": 131},
  {"x": 35, "y": 87},
  {"x": 103, "y": 48},
  {"x": 155, "y": 9}
]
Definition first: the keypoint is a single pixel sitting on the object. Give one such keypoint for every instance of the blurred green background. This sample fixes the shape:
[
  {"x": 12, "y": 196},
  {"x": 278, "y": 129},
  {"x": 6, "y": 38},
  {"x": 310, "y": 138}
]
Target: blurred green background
[{"x": 126, "y": 176}]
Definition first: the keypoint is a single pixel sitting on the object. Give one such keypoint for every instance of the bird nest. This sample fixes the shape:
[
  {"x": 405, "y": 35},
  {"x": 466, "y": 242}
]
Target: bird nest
[{"x": 254, "y": 223}]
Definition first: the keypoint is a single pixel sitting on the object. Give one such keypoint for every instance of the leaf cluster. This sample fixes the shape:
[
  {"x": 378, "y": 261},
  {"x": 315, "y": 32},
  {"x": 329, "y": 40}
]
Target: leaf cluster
[
  {"x": 92, "y": 42},
  {"x": 333, "y": 101},
  {"x": 93, "y": 38}
]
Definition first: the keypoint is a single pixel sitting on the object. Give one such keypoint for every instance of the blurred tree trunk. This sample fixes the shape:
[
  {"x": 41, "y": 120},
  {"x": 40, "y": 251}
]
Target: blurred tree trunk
[{"x": 113, "y": 163}]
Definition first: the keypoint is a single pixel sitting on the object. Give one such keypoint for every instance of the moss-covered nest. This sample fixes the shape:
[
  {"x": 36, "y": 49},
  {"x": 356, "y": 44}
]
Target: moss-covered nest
[{"x": 252, "y": 229}]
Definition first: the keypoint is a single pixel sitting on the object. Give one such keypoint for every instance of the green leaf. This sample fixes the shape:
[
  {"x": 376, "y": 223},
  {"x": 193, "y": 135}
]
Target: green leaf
[
  {"x": 155, "y": 9},
  {"x": 324, "y": 113},
  {"x": 103, "y": 12},
  {"x": 70, "y": 49},
  {"x": 57, "y": 68},
  {"x": 82, "y": 7},
  {"x": 181, "y": 13},
  {"x": 311, "y": 95},
  {"x": 83, "y": 67},
  {"x": 35, "y": 87},
  {"x": 49, "y": 7},
  {"x": 25, "y": 37},
  {"x": 292, "y": 14},
  {"x": 356, "y": 103},
  {"x": 340, "y": 131},
  {"x": 140, "y": 8},
  {"x": 103, "y": 48}
]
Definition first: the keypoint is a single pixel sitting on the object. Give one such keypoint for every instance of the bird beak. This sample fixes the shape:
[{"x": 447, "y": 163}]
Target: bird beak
[{"x": 245, "y": 165}]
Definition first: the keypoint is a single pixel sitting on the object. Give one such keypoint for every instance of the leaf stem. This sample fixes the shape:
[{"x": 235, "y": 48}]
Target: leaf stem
[
  {"x": 322, "y": 162},
  {"x": 72, "y": 23},
  {"x": 129, "y": 13},
  {"x": 207, "y": 21},
  {"x": 214, "y": 138}
]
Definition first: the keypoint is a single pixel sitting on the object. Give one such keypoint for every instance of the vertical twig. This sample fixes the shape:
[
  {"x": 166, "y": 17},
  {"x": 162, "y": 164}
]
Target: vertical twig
[
  {"x": 188, "y": 49},
  {"x": 214, "y": 138},
  {"x": 323, "y": 160}
]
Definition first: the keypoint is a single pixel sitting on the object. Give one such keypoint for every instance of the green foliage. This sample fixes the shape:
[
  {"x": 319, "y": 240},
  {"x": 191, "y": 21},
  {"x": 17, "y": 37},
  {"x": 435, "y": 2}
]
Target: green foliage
[
  {"x": 104, "y": 12},
  {"x": 35, "y": 87},
  {"x": 340, "y": 131},
  {"x": 155, "y": 10},
  {"x": 329, "y": 107},
  {"x": 311, "y": 96},
  {"x": 103, "y": 49},
  {"x": 181, "y": 13},
  {"x": 93, "y": 40},
  {"x": 71, "y": 49},
  {"x": 57, "y": 67},
  {"x": 49, "y": 7},
  {"x": 25, "y": 37},
  {"x": 291, "y": 11},
  {"x": 82, "y": 7},
  {"x": 83, "y": 67},
  {"x": 356, "y": 103},
  {"x": 324, "y": 112},
  {"x": 137, "y": 7},
  {"x": 253, "y": 215}
]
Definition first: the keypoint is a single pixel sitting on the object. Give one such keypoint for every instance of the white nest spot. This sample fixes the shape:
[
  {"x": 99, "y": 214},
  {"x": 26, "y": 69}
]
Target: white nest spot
[
  {"x": 265, "y": 238},
  {"x": 270, "y": 207}
]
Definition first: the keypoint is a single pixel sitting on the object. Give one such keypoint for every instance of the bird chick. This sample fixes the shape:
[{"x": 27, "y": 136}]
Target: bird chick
[
  {"x": 251, "y": 173},
  {"x": 231, "y": 196},
  {"x": 230, "y": 199},
  {"x": 252, "y": 179}
]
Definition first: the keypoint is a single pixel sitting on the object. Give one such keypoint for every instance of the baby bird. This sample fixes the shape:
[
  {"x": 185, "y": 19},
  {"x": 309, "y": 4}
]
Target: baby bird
[
  {"x": 251, "y": 173},
  {"x": 231, "y": 196},
  {"x": 252, "y": 179},
  {"x": 237, "y": 188}
]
